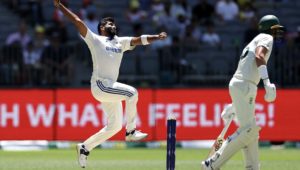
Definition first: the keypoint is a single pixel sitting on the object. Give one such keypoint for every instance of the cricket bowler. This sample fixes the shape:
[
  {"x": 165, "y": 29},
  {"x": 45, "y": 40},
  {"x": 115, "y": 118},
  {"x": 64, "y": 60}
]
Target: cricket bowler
[{"x": 107, "y": 52}]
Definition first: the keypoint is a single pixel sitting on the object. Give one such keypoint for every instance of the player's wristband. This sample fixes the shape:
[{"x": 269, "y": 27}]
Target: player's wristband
[
  {"x": 266, "y": 82},
  {"x": 144, "y": 39},
  {"x": 263, "y": 72}
]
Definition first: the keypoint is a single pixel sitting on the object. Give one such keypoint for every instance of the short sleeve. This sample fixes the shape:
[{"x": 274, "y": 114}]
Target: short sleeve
[
  {"x": 125, "y": 42},
  {"x": 90, "y": 37},
  {"x": 265, "y": 41}
]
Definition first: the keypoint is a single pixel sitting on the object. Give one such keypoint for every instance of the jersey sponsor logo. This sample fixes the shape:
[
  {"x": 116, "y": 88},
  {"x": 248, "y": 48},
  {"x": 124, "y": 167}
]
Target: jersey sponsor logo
[{"x": 115, "y": 50}]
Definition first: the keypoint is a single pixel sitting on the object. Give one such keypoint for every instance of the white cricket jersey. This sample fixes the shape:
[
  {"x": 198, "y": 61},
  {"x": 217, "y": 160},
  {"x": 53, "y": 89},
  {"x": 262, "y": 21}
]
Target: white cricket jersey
[
  {"x": 247, "y": 68},
  {"x": 106, "y": 54}
]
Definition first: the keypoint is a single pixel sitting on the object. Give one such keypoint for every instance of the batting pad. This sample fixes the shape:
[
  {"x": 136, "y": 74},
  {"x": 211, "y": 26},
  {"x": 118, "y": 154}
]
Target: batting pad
[
  {"x": 250, "y": 153},
  {"x": 233, "y": 144}
]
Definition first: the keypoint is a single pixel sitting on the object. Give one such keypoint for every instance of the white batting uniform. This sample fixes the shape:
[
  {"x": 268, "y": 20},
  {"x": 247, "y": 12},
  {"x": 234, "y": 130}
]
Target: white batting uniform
[
  {"x": 107, "y": 56},
  {"x": 243, "y": 90},
  {"x": 246, "y": 78}
]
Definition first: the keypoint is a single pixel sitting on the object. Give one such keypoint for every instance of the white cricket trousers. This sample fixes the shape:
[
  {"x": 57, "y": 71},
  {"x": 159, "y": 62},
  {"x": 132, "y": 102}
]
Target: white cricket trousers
[
  {"x": 111, "y": 94},
  {"x": 243, "y": 94}
]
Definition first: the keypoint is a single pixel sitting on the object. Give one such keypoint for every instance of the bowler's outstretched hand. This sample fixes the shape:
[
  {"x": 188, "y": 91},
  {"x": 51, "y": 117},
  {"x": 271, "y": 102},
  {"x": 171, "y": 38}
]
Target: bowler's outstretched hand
[{"x": 162, "y": 35}]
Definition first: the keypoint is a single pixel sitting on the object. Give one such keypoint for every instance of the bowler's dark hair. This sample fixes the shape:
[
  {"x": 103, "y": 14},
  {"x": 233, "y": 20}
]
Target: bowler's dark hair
[{"x": 103, "y": 22}]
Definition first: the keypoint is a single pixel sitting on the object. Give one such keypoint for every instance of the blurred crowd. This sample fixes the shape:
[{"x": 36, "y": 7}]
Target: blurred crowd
[{"x": 41, "y": 58}]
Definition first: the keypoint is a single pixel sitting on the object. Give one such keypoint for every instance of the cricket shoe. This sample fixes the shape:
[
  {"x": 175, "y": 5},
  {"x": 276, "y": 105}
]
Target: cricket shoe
[
  {"x": 135, "y": 135},
  {"x": 206, "y": 165},
  {"x": 82, "y": 154}
]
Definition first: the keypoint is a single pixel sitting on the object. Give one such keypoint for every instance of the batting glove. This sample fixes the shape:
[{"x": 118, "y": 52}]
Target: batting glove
[{"x": 270, "y": 88}]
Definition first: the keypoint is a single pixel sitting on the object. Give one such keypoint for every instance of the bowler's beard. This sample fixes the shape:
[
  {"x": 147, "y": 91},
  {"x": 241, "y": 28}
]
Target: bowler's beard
[{"x": 110, "y": 32}]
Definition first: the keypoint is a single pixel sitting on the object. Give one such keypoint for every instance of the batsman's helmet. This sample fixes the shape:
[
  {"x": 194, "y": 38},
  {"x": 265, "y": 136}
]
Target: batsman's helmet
[{"x": 269, "y": 22}]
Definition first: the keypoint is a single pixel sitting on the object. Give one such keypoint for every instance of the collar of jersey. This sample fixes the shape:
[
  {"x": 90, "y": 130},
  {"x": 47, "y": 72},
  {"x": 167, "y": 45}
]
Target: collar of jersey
[{"x": 107, "y": 38}]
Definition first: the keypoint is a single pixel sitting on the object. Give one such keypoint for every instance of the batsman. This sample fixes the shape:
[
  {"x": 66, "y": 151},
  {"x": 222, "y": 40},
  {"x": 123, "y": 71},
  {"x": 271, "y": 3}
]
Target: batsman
[{"x": 243, "y": 89}]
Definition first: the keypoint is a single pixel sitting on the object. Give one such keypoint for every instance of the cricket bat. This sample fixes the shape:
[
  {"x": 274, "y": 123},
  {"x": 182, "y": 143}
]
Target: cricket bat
[{"x": 220, "y": 139}]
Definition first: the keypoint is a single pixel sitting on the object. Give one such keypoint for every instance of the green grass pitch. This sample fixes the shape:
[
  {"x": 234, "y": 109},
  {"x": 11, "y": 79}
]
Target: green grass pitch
[{"x": 138, "y": 159}]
